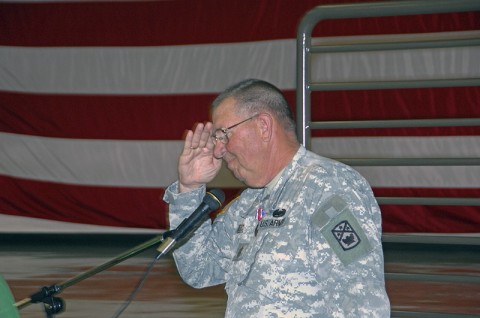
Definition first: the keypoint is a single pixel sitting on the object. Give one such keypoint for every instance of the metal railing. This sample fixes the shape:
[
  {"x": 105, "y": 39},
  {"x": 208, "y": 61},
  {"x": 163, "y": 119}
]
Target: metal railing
[
  {"x": 378, "y": 9},
  {"x": 305, "y": 86},
  {"x": 374, "y": 9}
]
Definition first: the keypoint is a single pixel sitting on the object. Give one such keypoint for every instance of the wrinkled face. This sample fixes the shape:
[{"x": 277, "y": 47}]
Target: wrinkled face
[{"x": 243, "y": 151}]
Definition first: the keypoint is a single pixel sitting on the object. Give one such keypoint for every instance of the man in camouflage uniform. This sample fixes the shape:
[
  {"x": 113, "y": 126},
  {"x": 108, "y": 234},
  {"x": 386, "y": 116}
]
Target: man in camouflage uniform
[{"x": 303, "y": 240}]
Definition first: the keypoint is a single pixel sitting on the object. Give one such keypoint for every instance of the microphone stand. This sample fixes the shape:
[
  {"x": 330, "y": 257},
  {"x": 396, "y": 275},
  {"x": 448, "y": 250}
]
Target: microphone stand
[{"x": 54, "y": 305}]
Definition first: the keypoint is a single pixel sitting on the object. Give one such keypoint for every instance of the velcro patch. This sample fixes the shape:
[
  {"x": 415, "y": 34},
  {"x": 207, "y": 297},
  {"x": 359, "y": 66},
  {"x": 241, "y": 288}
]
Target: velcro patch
[
  {"x": 332, "y": 207},
  {"x": 346, "y": 237}
]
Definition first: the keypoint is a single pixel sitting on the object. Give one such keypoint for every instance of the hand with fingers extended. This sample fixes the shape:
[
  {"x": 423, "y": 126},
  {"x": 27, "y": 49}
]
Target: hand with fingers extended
[{"x": 197, "y": 165}]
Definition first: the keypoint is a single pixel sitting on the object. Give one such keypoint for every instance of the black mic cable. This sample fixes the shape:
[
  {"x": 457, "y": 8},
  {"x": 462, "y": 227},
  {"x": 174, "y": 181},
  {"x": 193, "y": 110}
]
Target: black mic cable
[
  {"x": 211, "y": 202},
  {"x": 137, "y": 289}
]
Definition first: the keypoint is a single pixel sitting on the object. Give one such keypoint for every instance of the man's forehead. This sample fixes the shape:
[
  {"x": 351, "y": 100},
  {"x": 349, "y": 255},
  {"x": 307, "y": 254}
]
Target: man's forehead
[{"x": 224, "y": 112}]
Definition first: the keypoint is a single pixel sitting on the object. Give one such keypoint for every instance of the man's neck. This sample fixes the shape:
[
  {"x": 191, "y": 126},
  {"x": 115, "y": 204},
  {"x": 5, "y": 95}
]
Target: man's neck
[{"x": 281, "y": 154}]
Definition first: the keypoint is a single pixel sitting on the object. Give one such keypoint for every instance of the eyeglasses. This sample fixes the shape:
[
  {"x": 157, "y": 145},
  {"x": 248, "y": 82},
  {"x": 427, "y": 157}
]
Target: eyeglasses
[{"x": 221, "y": 134}]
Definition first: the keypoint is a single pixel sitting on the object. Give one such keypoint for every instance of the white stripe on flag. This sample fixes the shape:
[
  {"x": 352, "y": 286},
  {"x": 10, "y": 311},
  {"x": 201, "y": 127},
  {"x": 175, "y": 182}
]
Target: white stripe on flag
[
  {"x": 154, "y": 163},
  {"x": 398, "y": 147},
  {"x": 209, "y": 68},
  {"x": 458, "y": 62},
  {"x": 90, "y": 162},
  {"x": 145, "y": 70}
]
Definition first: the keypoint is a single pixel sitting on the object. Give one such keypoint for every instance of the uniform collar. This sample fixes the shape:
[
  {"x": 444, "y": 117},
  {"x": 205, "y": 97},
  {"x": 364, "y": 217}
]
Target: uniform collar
[{"x": 290, "y": 167}]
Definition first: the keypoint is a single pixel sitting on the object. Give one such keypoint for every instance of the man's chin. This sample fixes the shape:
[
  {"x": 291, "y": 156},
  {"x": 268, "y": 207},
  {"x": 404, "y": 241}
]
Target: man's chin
[
  {"x": 244, "y": 180},
  {"x": 248, "y": 182},
  {"x": 238, "y": 176}
]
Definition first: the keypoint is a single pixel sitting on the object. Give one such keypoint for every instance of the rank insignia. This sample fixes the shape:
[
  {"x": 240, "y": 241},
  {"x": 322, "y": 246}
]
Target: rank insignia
[
  {"x": 240, "y": 228},
  {"x": 346, "y": 235}
]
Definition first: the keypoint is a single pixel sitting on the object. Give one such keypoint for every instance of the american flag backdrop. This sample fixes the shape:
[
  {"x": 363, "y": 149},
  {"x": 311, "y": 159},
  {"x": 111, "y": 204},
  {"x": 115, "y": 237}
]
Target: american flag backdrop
[{"x": 95, "y": 97}]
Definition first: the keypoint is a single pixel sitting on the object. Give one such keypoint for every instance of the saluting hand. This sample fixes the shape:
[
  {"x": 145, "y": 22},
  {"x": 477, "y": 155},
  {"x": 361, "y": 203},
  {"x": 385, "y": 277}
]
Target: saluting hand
[{"x": 197, "y": 165}]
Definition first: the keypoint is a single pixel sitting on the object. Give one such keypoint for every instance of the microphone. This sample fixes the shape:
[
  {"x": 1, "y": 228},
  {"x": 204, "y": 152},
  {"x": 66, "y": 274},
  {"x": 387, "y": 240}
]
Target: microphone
[{"x": 212, "y": 200}]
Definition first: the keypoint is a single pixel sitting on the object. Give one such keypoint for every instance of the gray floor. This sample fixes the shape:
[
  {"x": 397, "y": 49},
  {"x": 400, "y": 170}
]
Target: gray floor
[{"x": 29, "y": 262}]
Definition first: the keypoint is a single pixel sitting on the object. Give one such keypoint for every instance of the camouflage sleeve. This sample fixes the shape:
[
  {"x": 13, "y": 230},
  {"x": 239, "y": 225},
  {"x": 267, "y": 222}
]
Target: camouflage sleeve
[
  {"x": 346, "y": 250},
  {"x": 181, "y": 205},
  {"x": 199, "y": 260}
]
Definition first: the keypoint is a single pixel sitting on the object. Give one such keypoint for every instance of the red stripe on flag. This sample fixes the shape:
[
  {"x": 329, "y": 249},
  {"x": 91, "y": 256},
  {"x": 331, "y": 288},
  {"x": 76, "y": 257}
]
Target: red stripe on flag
[
  {"x": 430, "y": 219},
  {"x": 434, "y": 218},
  {"x": 110, "y": 206},
  {"x": 426, "y": 103},
  {"x": 429, "y": 192},
  {"x": 166, "y": 117},
  {"x": 144, "y": 207},
  {"x": 179, "y": 23}
]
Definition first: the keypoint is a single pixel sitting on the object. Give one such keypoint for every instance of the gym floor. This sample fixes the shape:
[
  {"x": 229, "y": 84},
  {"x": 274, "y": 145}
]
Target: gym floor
[{"x": 30, "y": 262}]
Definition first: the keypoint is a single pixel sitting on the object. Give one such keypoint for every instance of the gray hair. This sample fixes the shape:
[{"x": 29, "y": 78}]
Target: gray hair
[{"x": 253, "y": 96}]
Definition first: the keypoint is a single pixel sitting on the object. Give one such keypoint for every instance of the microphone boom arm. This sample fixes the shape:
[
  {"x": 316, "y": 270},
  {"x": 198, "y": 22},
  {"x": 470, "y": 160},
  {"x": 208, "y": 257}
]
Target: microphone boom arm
[
  {"x": 212, "y": 201},
  {"x": 52, "y": 290}
]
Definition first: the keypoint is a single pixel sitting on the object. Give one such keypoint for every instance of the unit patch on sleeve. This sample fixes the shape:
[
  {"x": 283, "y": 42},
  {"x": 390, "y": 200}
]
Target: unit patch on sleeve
[
  {"x": 342, "y": 231},
  {"x": 346, "y": 237}
]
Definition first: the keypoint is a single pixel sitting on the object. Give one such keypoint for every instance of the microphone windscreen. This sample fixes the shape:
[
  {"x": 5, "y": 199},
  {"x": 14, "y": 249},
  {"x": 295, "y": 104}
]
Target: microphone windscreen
[{"x": 214, "y": 198}]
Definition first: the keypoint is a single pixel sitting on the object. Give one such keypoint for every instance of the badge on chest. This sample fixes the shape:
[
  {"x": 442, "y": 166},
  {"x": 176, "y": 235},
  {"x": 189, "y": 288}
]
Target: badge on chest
[
  {"x": 270, "y": 219},
  {"x": 265, "y": 220}
]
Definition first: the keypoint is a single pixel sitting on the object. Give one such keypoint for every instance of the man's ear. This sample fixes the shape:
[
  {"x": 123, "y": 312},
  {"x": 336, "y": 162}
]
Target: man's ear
[{"x": 265, "y": 122}]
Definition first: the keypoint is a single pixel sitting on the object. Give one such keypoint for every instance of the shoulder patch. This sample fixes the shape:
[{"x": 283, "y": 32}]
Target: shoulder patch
[
  {"x": 341, "y": 229},
  {"x": 346, "y": 237}
]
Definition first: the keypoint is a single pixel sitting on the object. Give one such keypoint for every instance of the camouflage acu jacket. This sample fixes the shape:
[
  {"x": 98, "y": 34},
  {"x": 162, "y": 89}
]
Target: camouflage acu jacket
[{"x": 307, "y": 245}]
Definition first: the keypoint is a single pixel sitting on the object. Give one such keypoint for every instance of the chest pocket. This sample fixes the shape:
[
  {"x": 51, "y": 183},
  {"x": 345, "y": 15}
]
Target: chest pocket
[
  {"x": 247, "y": 246},
  {"x": 243, "y": 237}
]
